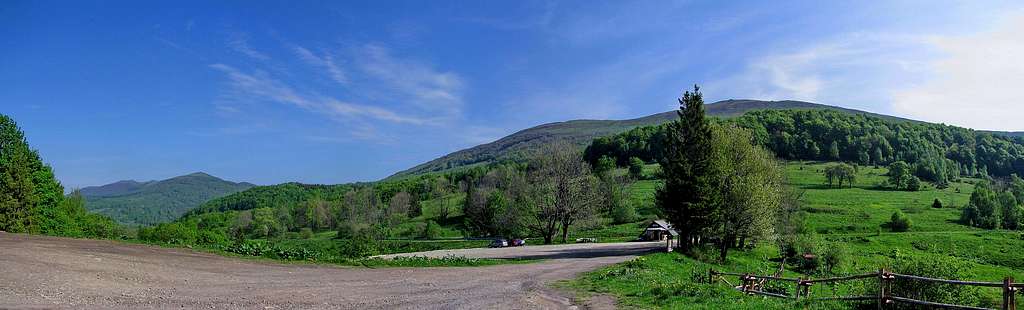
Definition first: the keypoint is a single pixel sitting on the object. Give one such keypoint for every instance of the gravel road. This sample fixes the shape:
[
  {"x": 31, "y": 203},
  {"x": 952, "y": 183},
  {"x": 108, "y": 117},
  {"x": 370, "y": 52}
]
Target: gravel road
[{"x": 49, "y": 272}]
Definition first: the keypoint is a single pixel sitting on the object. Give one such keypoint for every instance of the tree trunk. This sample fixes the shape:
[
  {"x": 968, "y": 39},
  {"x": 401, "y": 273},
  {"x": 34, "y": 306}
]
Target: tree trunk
[
  {"x": 724, "y": 246},
  {"x": 685, "y": 241},
  {"x": 547, "y": 238},
  {"x": 565, "y": 233}
]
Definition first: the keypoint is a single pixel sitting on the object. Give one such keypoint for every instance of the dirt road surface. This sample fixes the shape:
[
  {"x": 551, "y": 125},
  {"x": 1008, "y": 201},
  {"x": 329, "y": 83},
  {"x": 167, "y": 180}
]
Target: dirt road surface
[{"x": 49, "y": 272}]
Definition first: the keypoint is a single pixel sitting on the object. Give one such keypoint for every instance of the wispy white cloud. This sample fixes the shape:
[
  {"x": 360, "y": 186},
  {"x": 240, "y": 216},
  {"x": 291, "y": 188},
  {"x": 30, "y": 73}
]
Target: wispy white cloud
[
  {"x": 976, "y": 83},
  {"x": 412, "y": 81},
  {"x": 325, "y": 62},
  {"x": 259, "y": 86},
  {"x": 855, "y": 70},
  {"x": 239, "y": 42}
]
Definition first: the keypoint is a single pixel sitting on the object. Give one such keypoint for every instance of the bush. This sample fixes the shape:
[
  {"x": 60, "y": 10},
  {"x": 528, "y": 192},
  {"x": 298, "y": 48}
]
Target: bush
[
  {"x": 172, "y": 233},
  {"x": 636, "y": 168},
  {"x": 358, "y": 247},
  {"x": 934, "y": 267},
  {"x": 913, "y": 184},
  {"x": 431, "y": 231},
  {"x": 250, "y": 247},
  {"x": 937, "y": 204},
  {"x": 306, "y": 233},
  {"x": 623, "y": 213},
  {"x": 835, "y": 255},
  {"x": 899, "y": 222}
]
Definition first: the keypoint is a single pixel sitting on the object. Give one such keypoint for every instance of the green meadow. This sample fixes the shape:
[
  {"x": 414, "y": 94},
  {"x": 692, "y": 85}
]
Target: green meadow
[{"x": 852, "y": 219}]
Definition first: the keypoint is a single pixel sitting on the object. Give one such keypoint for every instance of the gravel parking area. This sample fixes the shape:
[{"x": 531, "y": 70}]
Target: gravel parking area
[{"x": 49, "y": 272}]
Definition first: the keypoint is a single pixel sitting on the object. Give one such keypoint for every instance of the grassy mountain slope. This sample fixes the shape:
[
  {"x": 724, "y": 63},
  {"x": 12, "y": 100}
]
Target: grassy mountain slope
[
  {"x": 147, "y": 203},
  {"x": 582, "y": 132}
]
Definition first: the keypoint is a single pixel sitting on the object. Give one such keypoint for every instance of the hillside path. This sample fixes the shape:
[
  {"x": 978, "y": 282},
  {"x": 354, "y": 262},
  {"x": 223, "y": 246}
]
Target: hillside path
[{"x": 50, "y": 272}]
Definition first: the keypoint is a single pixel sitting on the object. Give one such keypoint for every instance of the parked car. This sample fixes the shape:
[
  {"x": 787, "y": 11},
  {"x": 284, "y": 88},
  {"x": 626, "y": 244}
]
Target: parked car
[
  {"x": 586, "y": 240},
  {"x": 498, "y": 243},
  {"x": 517, "y": 242}
]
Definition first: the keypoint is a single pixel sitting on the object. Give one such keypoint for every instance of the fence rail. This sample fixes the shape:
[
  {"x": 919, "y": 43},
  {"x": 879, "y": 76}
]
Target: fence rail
[{"x": 754, "y": 284}]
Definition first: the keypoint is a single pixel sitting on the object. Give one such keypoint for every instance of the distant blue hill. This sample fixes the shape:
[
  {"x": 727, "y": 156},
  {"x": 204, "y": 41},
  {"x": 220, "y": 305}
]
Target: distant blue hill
[{"x": 151, "y": 202}]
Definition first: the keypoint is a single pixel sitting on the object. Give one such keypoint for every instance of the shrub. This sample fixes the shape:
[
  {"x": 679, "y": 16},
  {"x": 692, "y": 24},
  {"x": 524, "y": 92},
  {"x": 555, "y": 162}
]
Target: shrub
[
  {"x": 899, "y": 222},
  {"x": 913, "y": 184},
  {"x": 937, "y": 204},
  {"x": 358, "y": 247},
  {"x": 250, "y": 247},
  {"x": 172, "y": 233},
  {"x": 835, "y": 255},
  {"x": 431, "y": 231},
  {"x": 934, "y": 267},
  {"x": 623, "y": 213},
  {"x": 306, "y": 233},
  {"x": 636, "y": 168}
]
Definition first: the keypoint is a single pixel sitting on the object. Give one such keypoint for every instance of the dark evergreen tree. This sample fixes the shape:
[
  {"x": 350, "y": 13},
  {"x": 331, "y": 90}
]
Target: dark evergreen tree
[{"x": 689, "y": 196}]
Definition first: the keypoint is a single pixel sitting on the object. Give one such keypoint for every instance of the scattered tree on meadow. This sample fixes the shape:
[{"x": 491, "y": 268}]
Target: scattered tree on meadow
[
  {"x": 839, "y": 174},
  {"x": 899, "y": 174},
  {"x": 984, "y": 209},
  {"x": 1011, "y": 213}
]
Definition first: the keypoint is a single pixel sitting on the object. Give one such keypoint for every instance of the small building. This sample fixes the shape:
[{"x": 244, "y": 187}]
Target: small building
[{"x": 659, "y": 230}]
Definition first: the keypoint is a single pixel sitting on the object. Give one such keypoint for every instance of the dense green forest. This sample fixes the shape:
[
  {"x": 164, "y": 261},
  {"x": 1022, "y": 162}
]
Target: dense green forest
[
  {"x": 31, "y": 198},
  {"x": 522, "y": 144},
  {"x": 936, "y": 153},
  {"x": 149, "y": 203}
]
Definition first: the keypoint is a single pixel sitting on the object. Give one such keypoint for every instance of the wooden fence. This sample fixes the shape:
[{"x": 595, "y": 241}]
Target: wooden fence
[{"x": 754, "y": 285}]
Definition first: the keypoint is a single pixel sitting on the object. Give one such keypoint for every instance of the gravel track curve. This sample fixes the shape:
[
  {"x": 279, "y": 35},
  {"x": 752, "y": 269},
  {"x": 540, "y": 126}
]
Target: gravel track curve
[{"x": 50, "y": 272}]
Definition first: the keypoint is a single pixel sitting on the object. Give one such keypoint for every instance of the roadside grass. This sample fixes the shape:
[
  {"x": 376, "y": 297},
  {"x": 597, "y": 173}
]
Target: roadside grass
[
  {"x": 673, "y": 281},
  {"x": 324, "y": 252}
]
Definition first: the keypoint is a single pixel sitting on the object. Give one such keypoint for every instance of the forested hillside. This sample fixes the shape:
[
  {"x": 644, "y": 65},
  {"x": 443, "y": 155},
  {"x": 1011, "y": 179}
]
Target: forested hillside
[
  {"x": 31, "y": 198},
  {"x": 148, "y": 203},
  {"x": 936, "y": 152},
  {"x": 522, "y": 144}
]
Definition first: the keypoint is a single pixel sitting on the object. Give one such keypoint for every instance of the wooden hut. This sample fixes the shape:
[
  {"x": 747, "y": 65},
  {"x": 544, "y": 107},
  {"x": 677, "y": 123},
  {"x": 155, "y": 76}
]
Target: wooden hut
[{"x": 659, "y": 230}]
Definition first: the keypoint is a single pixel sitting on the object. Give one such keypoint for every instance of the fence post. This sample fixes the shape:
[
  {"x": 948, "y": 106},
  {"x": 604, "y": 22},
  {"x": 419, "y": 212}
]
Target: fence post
[
  {"x": 882, "y": 294},
  {"x": 711, "y": 275},
  {"x": 1008, "y": 294},
  {"x": 796, "y": 293}
]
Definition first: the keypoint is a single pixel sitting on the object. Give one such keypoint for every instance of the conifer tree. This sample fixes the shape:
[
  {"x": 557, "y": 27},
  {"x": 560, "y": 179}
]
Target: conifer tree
[{"x": 689, "y": 196}]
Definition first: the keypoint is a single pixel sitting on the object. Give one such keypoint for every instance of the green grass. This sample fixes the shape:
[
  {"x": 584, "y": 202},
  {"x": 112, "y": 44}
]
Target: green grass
[{"x": 851, "y": 217}]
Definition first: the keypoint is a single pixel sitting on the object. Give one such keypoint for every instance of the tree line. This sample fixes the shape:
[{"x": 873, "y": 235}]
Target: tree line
[
  {"x": 933, "y": 152},
  {"x": 544, "y": 197}
]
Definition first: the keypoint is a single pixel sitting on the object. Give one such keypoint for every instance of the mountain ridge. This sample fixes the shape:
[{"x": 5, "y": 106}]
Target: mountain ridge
[
  {"x": 157, "y": 201},
  {"x": 582, "y": 132}
]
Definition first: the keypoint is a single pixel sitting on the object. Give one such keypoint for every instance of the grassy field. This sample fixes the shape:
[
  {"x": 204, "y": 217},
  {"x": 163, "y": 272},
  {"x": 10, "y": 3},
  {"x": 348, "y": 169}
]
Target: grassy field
[{"x": 851, "y": 218}]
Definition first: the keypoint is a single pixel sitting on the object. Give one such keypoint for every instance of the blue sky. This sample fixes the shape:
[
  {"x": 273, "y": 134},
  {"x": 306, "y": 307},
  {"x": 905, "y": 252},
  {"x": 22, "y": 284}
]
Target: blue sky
[{"x": 330, "y": 92}]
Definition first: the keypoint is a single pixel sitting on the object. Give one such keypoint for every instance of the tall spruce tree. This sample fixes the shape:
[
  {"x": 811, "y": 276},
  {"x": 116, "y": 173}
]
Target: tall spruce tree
[{"x": 689, "y": 196}]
